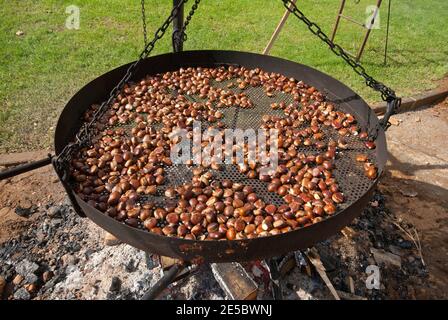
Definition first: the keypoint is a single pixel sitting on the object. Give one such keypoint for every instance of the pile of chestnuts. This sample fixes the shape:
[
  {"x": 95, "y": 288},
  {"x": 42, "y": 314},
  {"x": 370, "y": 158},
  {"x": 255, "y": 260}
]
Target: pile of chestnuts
[{"x": 128, "y": 158}]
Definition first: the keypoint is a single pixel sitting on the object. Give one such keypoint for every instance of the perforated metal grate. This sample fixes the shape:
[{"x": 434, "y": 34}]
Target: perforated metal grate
[{"x": 348, "y": 172}]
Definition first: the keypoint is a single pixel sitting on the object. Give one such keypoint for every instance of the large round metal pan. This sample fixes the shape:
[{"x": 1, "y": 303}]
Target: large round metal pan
[{"x": 224, "y": 251}]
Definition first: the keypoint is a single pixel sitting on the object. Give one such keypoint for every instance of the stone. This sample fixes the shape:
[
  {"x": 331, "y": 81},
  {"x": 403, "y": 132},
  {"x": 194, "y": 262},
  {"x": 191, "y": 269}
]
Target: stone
[
  {"x": 31, "y": 288},
  {"x": 111, "y": 240},
  {"x": 24, "y": 212},
  {"x": 387, "y": 258},
  {"x": 75, "y": 247},
  {"x": 31, "y": 278},
  {"x": 56, "y": 222},
  {"x": 131, "y": 265},
  {"x": 40, "y": 236},
  {"x": 115, "y": 285},
  {"x": 54, "y": 212},
  {"x": 26, "y": 267},
  {"x": 22, "y": 294},
  {"x": 50, "y": 284},
  {"x": 68, "y": 260},
  {"x": 47, "y": 275},
  {"x": 89, "y": 252},
  {"x": 17, "y": 279},
  {"x": 395, "y": 121},
  {"x": 152, "y": 261}
]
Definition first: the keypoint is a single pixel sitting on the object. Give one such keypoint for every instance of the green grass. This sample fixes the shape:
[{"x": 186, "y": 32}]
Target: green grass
[{"x": 42, "y": 69}]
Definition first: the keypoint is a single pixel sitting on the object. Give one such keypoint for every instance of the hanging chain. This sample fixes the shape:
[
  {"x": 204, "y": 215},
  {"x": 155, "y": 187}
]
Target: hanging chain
[
  {"x": 85, "y": 133},
  {"x": 180, "y": 35},
  {"x": 145, "y": 32},
  {"x": 84, "y": 136},
  {"x": 387, "y": 94}
]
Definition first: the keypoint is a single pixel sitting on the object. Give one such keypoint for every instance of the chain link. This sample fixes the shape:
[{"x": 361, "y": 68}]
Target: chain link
[
  {"x": 84, "y": 136},
  {"x": 145, "y": 32},
  {"x": 387, "y": 94},
  {"x": 180, "y": 35}
]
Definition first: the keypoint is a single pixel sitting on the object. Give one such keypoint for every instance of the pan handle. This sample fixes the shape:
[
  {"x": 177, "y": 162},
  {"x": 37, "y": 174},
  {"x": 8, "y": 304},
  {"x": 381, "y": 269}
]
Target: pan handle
[
  {"x": 8, "y": 173},
  {"x": 392, "y": 107},
  {"x": 38, "y": 164}
]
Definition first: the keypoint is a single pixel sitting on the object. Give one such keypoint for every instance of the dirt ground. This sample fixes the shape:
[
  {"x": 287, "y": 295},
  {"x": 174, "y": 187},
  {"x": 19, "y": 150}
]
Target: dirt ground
[
  {"x": 416, "y": 183},
  {"x": 25, "y": 193},
  {"x": 415, "y": 187},
  {"x": 429, "y": 215}
]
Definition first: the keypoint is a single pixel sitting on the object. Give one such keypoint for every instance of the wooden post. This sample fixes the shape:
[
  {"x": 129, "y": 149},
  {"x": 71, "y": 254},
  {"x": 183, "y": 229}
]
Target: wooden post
[
  {"x": 338, "y": 18},
  {"x": 314, "y": 257},
  {"x": 369, "y": 29},
  {"x": 277, "y": 30},
  {"x": 387, "y": 34}
]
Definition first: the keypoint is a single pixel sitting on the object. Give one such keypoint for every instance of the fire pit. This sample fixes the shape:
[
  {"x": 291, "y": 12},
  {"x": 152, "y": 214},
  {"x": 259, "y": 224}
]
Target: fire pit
[
  {"x": 349, "y": 174},
  {"x": 73, "y": 135}
]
